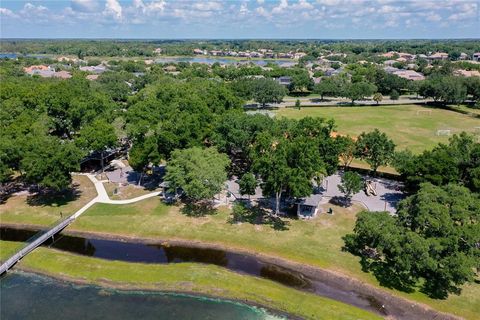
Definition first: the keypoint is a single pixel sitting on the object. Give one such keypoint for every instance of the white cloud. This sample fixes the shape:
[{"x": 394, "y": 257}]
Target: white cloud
[
  {"x": 281, "y": 7},
  {"x": 208, "y": 6},
  {"x": 244, "y": 9},
  {"x": 303, "y": 4},
  {"x": 434, "y": 17},
  {"x": 260, "y": 2},
  {"x": 149, "y": 8},
  {"x": 329, "y": 2},
  {"x": 7, "y": 13},
  {"x": 85, "y": 5},
  {"x": 262, "y": 12},
  {"x": 113, "y": 9}
]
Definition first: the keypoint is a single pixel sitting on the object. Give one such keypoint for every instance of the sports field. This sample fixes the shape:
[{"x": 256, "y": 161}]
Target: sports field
[{"x": 410, "y": 126}]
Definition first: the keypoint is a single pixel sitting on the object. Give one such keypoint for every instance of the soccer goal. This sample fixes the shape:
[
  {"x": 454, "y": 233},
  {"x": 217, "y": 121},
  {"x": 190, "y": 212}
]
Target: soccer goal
[
  {"x": 444, "y": 132},
  {"x": 424, "y": 112}
]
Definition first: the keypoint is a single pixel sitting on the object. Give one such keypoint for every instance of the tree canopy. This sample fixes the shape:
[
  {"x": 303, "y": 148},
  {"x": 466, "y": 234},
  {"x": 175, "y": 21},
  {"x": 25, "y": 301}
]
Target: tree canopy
[
  {"x": 375, "y": 148},
  {"x": 435, "y": 237},
  {"x": 200, "y": 173}
]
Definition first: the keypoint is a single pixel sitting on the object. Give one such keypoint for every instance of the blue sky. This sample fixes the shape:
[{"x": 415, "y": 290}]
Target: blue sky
[{"x": 320, "y": 19}]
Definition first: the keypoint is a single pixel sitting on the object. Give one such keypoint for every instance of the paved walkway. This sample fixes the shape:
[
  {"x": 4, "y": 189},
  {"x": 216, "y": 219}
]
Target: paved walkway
[
  {"x": 102, "y": 197},
  {"x": 387, "y": 198},
  {"x": 308, "y": 101}
]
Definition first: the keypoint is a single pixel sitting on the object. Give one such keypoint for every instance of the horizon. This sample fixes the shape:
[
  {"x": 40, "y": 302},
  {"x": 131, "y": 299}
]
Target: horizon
[{"x": 239, "y": 19}]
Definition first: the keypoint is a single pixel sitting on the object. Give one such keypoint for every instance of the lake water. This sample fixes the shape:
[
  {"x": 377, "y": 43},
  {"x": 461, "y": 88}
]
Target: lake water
[
  {"x": 238, "y": 262},
  {"x": 212, "y": 60},
  {"x": 27, "y": 296},
  {"x": 16, "y": 55}
]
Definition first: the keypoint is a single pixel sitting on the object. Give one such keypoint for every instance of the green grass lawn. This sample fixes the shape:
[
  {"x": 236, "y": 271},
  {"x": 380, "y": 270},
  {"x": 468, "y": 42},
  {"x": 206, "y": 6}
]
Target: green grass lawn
[
  {"x": 189, "y": 277},
  {"x": 315, "y": 242},
  {"x": 30, "y": 210},
  {"x": 408, "y": 129}
]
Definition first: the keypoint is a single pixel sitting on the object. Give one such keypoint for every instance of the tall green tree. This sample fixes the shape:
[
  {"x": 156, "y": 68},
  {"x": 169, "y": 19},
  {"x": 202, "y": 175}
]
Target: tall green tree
[
  {"x": 200, "y": 173},
  {"x": 49, "y": 161},
  {"x": 268, "y": 91},
  {"x": 375, "y": 148},
  {"x": 286, "y": 164},
  {"x": 346, "y": 149},
  {"x": 97, "y": 136},
  {"x": 377, "y": 97},
  {"x": 327, "y": 87},
  {"x": 359, "y": 90},
  {"x": 434, "y": 237},
  {"x": 351, "y": 183},
  {"x": 455, "y": 162},
  {"x": 248, "y": 183}
]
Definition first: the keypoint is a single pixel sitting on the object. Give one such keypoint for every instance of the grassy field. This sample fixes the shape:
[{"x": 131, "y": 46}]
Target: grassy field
[
  {"x": 316, "y": 242},
  {"x": 189, "y": 277},
  {"x": 125, "y": 192},
  {"x": 30, "y": 210},
  {"x": 410, "y": 126}
]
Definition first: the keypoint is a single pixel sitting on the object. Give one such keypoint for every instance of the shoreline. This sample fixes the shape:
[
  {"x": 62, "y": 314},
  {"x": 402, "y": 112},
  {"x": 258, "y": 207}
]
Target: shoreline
[
  {"x": 397, "y": 306},
  {"x": 126, "y": 288}
]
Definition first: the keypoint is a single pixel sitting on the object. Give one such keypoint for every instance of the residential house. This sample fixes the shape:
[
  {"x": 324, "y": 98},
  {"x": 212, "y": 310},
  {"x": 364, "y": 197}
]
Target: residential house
[
  {"x": 389, "y": 54},
  {"x": 476, "y": 56},
  {"x": 157, "y": 51},
  {"x": 216, "y": 53},
  {"x": 92, "y": 77},
  {"x": 390, "y": 70},
  {"x": 332, "y": 72},
  {"x": 467, "y": 73},
  {"x": 62, "y": 75},
  {"x": 199, "y": 51},
  {"x": 438, "y": 56},
  {"x": 463, "y": 56},
  {"x": 255, "y": 54},
  {"x": 299, "y": 55},
  {"x": 269, "y": 55},
  {"x": 170, "y": 69},
  {"x": 409, "y": 75},
  {"x": 94, "y": 69},
  {"x": 40, "y": 67},
  {"x": 389, "y": 62},
  {"x": 287, "y": 64},
  {"x": 406, "y": 56},
  {"x": 286, "y": 81},
  {"x": 283, "y": 55},
  {"x": 412, "y": 66}
]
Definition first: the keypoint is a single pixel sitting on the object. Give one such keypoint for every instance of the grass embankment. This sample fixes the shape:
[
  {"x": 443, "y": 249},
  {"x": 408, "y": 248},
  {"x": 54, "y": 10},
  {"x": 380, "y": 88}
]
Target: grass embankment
[
  {"x": 188, "y": 277},
  {"x": 410, "y": 126},
  {"x": 316, "y": 242},
  {"x": 27, "y": 209},
  {"x": 125, "y": 192},
  {"x": 8, "y": 248}
]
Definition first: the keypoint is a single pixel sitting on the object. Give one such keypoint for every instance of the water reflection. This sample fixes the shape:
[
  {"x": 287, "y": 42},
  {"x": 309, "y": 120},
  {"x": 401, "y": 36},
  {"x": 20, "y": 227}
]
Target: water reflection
[
  {"x": 162, "y": 254},
  {"x": 27, "y": 296}
]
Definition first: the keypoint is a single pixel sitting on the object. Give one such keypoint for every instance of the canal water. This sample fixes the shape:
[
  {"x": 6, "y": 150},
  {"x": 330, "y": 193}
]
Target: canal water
[
  {"x": 162, "y": 254},
  {"x": 27, "y": 296}
]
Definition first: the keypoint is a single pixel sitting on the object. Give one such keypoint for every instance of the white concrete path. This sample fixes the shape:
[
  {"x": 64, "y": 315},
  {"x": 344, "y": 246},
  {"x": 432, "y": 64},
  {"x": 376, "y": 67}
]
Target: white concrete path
[{"x": 102, "y": 197}]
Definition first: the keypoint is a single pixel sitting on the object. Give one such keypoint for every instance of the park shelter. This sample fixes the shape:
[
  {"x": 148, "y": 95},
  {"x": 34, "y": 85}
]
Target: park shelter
[{"x": 308, "y": 207}]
